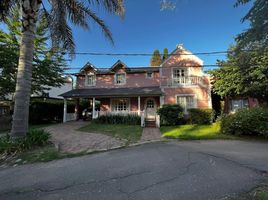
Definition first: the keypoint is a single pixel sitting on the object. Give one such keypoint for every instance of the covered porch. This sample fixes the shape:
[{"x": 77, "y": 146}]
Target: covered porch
[{"x": 143, "y": 102}]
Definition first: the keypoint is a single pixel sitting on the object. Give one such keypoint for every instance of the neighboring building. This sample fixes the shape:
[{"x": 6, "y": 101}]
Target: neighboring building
[
  {"x": 54, "y": 92},
  {"x": 231, "y": 105},
  {"x": 141, "y": 90}
]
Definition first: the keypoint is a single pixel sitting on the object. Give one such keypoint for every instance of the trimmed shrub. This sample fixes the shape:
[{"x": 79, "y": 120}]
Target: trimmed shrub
[
  {"x": 246, "y": 122},
  {"x": 171, "y": 114},
  {"x": 36, "y": 137},
  {"x": 201, "y": 116},
  {"x": 128, "y": 119}
]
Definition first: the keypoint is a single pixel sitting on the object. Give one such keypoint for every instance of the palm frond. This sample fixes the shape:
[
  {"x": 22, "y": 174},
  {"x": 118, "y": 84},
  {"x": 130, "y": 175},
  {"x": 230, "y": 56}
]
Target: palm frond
[
  {"x": 112, "y": 6},
  {"x": 61, "y": 33},
  {"x": 6, "y": 8}
]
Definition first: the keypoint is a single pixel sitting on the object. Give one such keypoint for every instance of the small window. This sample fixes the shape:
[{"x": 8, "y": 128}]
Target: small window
[
  {"x": 237, "y": 104},
  {"x": 91, "y": 80},
  {"x": 180, "y": 75},
  {"x": 120, "y": 79},
  {"x": 150, "y": 103},
  {"x": 186, "y": 102},
  {"x": 150, "y": 75}
]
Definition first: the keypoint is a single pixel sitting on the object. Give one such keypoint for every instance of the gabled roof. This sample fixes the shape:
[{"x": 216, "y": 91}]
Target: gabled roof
[
  {"x": 119, "y": 63},
  {"x": 88, "y": 65},
  {"x": 184, "y": 53}
]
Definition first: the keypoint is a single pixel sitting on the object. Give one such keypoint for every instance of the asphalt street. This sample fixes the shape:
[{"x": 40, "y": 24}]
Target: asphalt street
[{"x": 193, "y": 170}]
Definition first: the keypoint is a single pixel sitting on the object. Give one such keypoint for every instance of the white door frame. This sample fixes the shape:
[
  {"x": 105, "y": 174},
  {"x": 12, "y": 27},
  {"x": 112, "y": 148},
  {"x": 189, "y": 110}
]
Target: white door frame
[{"x": 152, "y": 114}]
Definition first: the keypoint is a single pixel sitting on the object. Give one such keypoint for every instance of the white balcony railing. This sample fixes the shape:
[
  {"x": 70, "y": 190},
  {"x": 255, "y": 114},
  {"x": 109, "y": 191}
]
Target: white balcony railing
[{"x": 183, "y": 81}]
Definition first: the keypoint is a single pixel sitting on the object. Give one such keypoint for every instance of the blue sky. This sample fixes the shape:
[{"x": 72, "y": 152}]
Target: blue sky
[{"x": 201, "y": 25}]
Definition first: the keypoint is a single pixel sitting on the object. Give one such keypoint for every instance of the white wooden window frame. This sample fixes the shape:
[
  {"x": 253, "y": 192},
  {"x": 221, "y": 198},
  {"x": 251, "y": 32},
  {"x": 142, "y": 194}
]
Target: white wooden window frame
[
  {"x": 93, "y": 80},
  {"x": 116, "y": 100},
  {"x": 115, "y": 79},
  {"x": 185, "y": 96}
]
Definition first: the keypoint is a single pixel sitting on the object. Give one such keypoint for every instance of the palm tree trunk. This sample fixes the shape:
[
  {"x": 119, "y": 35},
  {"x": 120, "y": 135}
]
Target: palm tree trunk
[{"x": 30, "y": 10}]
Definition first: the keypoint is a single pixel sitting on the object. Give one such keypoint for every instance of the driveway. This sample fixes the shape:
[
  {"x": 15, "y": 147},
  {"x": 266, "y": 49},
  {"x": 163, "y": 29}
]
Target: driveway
[
  {"x": 166, "y": 171},
  {"x": 70, "y": 140}
]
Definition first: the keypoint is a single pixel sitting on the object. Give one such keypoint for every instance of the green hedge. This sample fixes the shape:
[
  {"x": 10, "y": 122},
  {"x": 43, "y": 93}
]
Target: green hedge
[
  {"x": 47, "y": 111},
  {"x": 171, "y": 114},
  {"x": 201, "y": 116},
  {"x": 246, "y": 122},
  {"x": 128, "y": 119}
]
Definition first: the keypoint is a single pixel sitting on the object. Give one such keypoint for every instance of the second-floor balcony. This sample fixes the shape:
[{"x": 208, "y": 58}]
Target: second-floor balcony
[{"x": 183, "y": 81}]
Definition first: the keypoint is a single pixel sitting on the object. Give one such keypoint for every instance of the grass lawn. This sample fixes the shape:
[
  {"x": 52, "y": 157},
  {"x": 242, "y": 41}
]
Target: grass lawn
[
  {"x": 194, "y": 132},
  {"x": 132, "y": 133},
  {"x": 260, "y": 193}
]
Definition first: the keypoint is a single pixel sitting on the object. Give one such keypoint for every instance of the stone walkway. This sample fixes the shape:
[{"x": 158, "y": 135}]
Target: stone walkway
[
  {"x": 70, "y": 140},
  {"x": 151, "y": 134},
  {"x": 67, "y": 137}
]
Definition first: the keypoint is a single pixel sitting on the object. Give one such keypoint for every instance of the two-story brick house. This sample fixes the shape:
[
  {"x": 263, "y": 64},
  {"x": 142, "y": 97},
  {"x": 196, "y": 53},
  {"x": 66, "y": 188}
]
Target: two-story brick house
[{"x": 142, "y": 90}]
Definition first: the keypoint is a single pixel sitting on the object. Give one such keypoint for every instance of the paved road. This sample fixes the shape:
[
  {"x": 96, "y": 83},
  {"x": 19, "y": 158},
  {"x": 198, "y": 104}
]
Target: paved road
[{"x": 166, "y": 171}]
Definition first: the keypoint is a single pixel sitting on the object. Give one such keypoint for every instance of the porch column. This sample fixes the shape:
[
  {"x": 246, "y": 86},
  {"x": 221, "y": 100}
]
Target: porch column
[
  {"x": 162, "y": 101},
  {"x": 76, "y": 110},
  {"x": 139, "y": 105},
  {"x": 93, "y": 108},
  {"x": 64, "y": 110}
]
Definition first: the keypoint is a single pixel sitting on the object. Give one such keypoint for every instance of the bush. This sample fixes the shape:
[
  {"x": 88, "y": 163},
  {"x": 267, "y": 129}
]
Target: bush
[
  {"x": 36, "y": 137},
  {"x": 201, "y": 116},
  {"x": 246, "y": 122},
  {"x": 128, "y": 119},
  {"x": 171, "y": 114}
]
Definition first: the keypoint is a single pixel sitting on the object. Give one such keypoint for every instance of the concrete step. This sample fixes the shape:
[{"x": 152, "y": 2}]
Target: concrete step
[{"x": 150, "y": 124}]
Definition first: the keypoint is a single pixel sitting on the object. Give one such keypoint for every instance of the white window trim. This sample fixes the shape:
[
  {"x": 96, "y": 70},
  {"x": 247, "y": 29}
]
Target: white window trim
[
  {"x": 186, "y": 69},
  {"x": 114, "y": 99},
  {"x": 115, "y": 81},
  {"x": 151, "y": 76},
  {"x": 86, "y": 80},
  {"x": 187, "y": 95}
]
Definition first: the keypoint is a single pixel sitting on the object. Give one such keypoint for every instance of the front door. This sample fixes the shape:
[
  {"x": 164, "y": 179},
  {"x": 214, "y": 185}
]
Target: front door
[{"x": 150, "y": 107}]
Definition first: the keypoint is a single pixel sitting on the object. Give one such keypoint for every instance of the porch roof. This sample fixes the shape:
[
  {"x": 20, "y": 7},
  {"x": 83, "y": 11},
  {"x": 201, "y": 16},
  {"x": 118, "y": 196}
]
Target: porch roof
[{"x": 113, "y": 92}]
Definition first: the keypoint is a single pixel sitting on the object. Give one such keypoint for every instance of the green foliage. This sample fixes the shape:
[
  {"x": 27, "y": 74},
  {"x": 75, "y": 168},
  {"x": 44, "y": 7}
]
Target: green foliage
[
  {"x": 165, "y": 54},
  {"x": 47, "y": 111},
  {"x": 156, "y": 59},
  {"x": 257, "y": 17},
  {"x": 128, "y": 119},
  {"x": 170, "y": 114},
  {"x": 201, "y": 116},
  {"x": 48, "y": 66},
  {"x": 35, "y": 137},
  {"x": 246, "y": 122},
  {"x": 243, "y": 74}
]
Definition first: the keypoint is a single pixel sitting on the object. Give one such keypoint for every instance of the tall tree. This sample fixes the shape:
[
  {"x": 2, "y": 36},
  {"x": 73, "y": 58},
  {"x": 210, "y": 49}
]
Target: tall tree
[
  {"x": 60, "y": 15},
  {"x": 258, "y": 19},
  {"x": 245, "y": 73},
  {"x": 165, "y": 54},
  {"x": 48, "y": 66},
  {"x": 156, "y": 59}
]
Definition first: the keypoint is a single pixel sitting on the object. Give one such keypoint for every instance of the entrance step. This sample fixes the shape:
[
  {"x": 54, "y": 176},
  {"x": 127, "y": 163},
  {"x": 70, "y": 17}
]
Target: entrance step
[{"x": 150, "y": 123}]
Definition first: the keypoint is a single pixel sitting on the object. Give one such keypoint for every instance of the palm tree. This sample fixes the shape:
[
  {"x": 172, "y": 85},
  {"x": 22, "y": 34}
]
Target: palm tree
[{"x": 60, "y": 14}]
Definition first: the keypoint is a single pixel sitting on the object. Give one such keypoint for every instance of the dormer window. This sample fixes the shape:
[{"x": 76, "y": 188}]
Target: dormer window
[
  {"x": 91, "y": 80},
  {"x": 120, "y": 79},
  {"x": 149, "y": 75}
]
